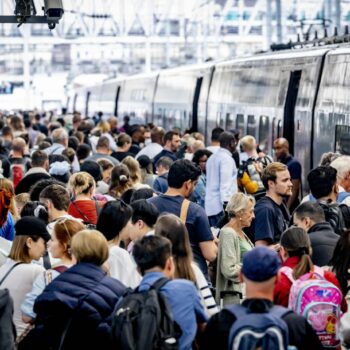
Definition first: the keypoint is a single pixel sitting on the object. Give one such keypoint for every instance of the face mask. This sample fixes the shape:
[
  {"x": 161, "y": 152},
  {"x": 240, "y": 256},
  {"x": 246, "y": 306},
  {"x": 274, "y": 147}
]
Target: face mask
[{"x": 148, "y": 141}]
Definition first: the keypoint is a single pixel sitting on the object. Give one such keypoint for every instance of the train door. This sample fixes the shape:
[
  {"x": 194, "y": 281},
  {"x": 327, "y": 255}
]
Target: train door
[
  {"x": 116, "y": 101},
  {"x": 197, "y": 91},
  {"x": 289, "y": 108}
]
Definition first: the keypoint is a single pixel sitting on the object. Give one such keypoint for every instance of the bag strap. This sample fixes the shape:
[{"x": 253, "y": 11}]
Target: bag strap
[
  {"x": 288, "y": 272},
  {"x": 87, "y": 220},
  {"x": 184, "y": 210},
  {"x": 9, "y": 271},
  {"x": 160, "y": 283}
]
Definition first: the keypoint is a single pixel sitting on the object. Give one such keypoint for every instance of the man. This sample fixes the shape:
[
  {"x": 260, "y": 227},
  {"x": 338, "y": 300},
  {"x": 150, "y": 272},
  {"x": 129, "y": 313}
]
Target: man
[
  {"x": 59, "y": 141},
  {"x": 154, "y": 260},
  {"x": 271, "y": 214},
  {"x": 137, "y": 136},
  {"x": 342, "y": 166},
  {"x": 155, "y": 147},
  {"x": 221, "y": 178},
  {"x": 160, "y": 183},
  {"x": 215, "y": 143},
  {"x": 103, "y": 151},
  {"x": 143, "y": 219},
  {"x": 172, "y": 143},
  {"x": 40, "y": 126},
  {"x": 56, "y": 198},
  {"x": 323, "y": 186},
  {"x": 311, "y": 218},
  {"x": 281, "y": 147},
  {"x": 182, "y": 178},
  {"x": 38, "y": 171},
  {"x": 259, "y": 273}
]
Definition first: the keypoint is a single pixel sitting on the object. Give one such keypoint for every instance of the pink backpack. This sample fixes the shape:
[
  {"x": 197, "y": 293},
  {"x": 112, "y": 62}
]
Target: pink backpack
[{"x": 317, "y": 300}]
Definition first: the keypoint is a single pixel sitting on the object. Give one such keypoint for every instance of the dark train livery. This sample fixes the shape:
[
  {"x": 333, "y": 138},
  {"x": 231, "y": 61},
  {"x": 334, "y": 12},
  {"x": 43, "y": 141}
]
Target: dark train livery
[{"x": 303, "y": 95}]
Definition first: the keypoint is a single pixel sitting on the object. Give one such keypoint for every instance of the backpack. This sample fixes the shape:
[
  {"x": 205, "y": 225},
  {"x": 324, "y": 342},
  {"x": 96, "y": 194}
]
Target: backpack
[
  {"x": 143, "y": 321},
  {"x": 265, "y": 331},
  {"x": 17, "y": 172},
  {"x": 334, "y": 215},
  {"x": 317, "y": 300}
]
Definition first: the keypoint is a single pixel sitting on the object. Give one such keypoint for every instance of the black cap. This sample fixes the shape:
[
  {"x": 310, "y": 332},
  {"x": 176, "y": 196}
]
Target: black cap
[
  {"x": 94, "y": 169},
  {"x": 32, "y": 226}
]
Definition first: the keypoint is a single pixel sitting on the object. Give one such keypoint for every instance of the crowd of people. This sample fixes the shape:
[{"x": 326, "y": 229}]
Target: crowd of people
[{"x": 136, "y": 237}]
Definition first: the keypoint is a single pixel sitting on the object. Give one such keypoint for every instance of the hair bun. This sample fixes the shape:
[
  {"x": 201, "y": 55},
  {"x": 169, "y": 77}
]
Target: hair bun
[{"x": 123, "y": 178}]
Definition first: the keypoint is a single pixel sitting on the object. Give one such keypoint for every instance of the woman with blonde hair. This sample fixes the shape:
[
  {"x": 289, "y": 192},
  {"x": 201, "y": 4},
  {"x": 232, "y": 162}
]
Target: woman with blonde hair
[
  {"x": 233, "y": 244},
  {"x": 120, "y": 181},
  {"x": 171, "y": 227},
  {"x": 59, "y": 247},
  {"x": 83, "y": 206},
  {"x": 135, "y": 172},
  {"x": 105, "y": 129},
  {"x": 76, "y": 308}
]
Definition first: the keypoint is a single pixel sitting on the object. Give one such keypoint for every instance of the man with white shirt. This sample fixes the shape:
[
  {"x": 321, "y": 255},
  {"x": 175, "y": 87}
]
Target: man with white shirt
[
  {"x": 56, "y": 198},
  {"x": 215, "y": 143},
  {"x": 221, "y": 178},
  {"x": 342, "y": 166},
  {"x": 59, "y": 141},
  {"x": 155, "y": 147}
]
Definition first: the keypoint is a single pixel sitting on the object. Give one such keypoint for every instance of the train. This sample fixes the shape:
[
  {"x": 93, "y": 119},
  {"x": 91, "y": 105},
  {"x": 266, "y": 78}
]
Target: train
[{"x": 300, "y": 94}]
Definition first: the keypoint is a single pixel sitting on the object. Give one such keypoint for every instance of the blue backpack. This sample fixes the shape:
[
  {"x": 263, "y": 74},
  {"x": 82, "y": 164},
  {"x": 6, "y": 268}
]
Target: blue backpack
[{"x": 265, "y": 331}]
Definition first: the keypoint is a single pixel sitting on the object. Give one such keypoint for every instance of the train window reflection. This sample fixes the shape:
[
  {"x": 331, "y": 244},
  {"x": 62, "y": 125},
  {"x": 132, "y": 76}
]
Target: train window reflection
[
  {"x": 279, "y": 128},
  {"x": 251, "y": 127},
  {"x": 342, "y": 139},
  {"x": 264, "y": 132},
  {"x": 230, "y": 123},
  {"x": 240, "y": 123}
]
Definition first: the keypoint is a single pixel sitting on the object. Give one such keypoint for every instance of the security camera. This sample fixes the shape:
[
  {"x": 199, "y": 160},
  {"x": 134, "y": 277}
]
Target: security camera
[{"x": 53, "y": 10}]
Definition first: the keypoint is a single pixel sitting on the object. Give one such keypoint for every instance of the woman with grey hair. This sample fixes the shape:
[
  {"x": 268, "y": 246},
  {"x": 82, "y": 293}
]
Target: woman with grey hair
[{"x": 233, "y": 244}]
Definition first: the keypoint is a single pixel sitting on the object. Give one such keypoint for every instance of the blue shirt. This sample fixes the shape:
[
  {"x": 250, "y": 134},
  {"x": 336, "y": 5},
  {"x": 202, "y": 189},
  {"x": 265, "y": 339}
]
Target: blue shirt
[
  {"x": 198, "y": 194},
  {"x": 7, "y": 231},
  {"x": 270, "y": 221},
  {"x": 294, "y": 167},
  {"x": 197, "y": 224},
  {"x": 221, "y": 181},
  {"x": 160, "y": 183},
  {"x": 184, "y": 302},
  {"x": 164, "y": 153}
]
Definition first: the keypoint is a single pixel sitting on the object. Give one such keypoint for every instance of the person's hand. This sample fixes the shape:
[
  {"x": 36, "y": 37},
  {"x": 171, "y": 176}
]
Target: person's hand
[{"x": 275, "y": 247}]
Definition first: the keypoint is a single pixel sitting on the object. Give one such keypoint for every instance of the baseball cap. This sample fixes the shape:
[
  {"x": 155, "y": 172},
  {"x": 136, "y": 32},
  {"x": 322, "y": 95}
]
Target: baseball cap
[
  {"x": 32, "y": 226},
  {"x": 260, "y": 264}
]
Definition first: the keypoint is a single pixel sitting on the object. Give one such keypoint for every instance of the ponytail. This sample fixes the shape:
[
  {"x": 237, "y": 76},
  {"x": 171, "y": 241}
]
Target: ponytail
[
  {"x": 5, "y": 205},
  {"x": 305, "y": 264}
]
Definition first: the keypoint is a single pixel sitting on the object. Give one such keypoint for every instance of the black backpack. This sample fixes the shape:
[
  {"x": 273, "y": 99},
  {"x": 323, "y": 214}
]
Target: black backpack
[
  {"x": 143, "y": 321},
  {"x": 337, "y": 215}
]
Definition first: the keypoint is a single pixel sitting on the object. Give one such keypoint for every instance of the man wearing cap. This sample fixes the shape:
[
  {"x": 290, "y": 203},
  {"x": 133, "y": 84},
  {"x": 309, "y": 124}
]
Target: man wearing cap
[
  {"x": 259, "y": 273},
  {"x": 18, "y": 273}
]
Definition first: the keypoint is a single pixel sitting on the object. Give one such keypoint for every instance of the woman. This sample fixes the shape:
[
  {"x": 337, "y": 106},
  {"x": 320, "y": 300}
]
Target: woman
[
  {"x": 135, "y": 172},
  {"x": 37, "y": 209},
  {"x": 146, "y": 169},
  {"x": 295, "y": 253},
  {"x": 76, "y": 308},
  {"x": 59, "y": 247},
  {"x": 120, "y": 181},
  {"x": 114, "y": 222},
  {"x": 82, "y": 187},
  {"x": 232, "y": 246},
  {"x": 171, "y": 227},
  {"x": 103, "y": 185},
  {"x": 7, "y": 230},
  {"x": 19, "y": 273}
]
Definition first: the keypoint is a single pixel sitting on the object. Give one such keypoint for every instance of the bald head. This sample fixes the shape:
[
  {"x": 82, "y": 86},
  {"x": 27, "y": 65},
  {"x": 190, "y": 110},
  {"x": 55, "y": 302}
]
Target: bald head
[{"x": 281, "y": 147}]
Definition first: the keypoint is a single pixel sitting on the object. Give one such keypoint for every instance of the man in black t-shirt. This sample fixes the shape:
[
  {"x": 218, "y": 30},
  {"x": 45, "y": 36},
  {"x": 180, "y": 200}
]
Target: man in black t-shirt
[
  {"x": 271, "y": 214},
  {"x": 259, "y": 272}
]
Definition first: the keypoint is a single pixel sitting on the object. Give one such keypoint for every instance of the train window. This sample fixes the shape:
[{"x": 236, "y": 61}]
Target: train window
[
  {"x": 240, "y": 123},
  {"x": 230, "y": 123},
  {"x": 264, "y": 132},
  {"x": 251, "y": 127},
  {"x": 342, "y": 139}
]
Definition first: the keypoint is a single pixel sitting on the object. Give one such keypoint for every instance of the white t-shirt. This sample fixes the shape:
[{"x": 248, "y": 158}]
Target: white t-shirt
[
  {"x": 19, "y": 282},
  {"x": 122, "y": 267}
]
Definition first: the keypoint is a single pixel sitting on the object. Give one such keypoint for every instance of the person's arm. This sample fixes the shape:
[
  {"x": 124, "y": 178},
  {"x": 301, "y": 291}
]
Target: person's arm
[
  {"x": 209, "y": 250},
  {"x": 230, "y": 264},
  {"x": 295, "y": 193}
]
